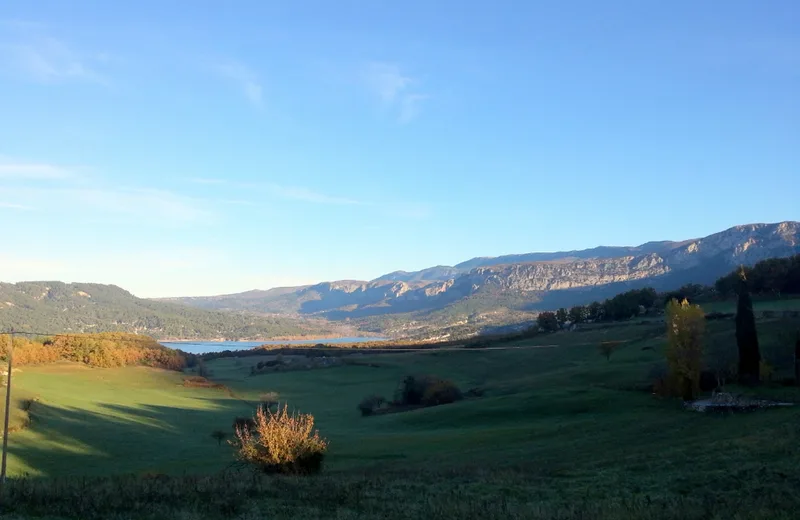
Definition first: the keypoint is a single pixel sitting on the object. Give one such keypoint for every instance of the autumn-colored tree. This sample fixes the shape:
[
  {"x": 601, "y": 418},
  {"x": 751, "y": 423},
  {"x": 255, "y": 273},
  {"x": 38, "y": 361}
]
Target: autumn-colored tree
[
  {"x": 685, "y": 334},
  {"x": 107, "y": 349},
  {"x": 747, "y": 336}
]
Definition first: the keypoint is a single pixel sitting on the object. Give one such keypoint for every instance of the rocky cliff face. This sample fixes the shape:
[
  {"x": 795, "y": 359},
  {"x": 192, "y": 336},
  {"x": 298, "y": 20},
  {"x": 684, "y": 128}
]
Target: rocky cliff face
[
  {"x": 527, "y": 280},
  {"x": 553, "y": 276}
]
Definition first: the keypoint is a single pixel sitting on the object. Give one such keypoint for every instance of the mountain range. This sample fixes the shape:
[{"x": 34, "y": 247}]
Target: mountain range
[
  {"x": 486, "y": 294},
  {"x": 519, "y": 283}
]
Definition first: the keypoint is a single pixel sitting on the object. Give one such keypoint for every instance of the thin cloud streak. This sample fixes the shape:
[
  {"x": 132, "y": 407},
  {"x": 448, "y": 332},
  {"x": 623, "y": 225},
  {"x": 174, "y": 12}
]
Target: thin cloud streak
[
  {"x": 246, "y": 79},
  {"x": 11, "y": 205},
  {"x": 34, "y": 54},
  {"x": 201, "y": 180},
  {"x": 409, "y": 211},
  {"x": 387, "y": 81},
  {"x": 411, "y": 107},
  {"x": 306, "y": 195},
  {"x": 33, "y": 171},
  {"x": 395, "y": 90},
  {"x": 296, "y": 193},
  {"x": 141, "y": 202}
]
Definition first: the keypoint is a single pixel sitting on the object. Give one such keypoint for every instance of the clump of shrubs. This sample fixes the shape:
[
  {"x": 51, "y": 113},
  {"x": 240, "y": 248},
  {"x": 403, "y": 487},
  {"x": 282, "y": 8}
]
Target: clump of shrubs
[
  {"x": 371, "y": 404},
  {"x": 427, "y": 391},
  {"x": 415, "y": 392},
  {"x": 441, "y": 391},
  {"x": 281, "y": 442}
]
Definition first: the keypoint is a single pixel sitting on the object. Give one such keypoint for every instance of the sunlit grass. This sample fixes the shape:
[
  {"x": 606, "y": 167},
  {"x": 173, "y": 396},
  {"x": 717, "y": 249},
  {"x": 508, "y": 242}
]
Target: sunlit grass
[{"x": 555, "y": 427}]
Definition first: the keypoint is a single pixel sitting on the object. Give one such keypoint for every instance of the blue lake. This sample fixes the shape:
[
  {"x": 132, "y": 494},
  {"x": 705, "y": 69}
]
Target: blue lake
[{"x": 202, "y": 347}]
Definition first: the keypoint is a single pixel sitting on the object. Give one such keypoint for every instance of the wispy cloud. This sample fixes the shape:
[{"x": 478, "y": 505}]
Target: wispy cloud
[
  {"x": 11, "y": 205},
  {"x": 33, "y": 171},
  {"x": 203, "y": 180},
  {"x": 163, "y": 205},
  {"x": 20, "y": 188},
  {"x": 237, "y": 202},
  {"x": 410, "y": 107},
  {"x": 410, "y": 211},
  {"x": 395, "y": 89},
  {"x": 30, "y": 51},
  {"x": 246, "y": 80},
  {"x": 307, "y": 195},
  {"x": 282, "y": 191}
]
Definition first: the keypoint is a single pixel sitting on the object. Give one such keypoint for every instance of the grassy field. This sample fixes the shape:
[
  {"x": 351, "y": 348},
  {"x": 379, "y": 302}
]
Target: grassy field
[
  {"x": 560, "y": 432},
  {"x": 99, "y": 421},
  {"x": 759, "y": 305}
]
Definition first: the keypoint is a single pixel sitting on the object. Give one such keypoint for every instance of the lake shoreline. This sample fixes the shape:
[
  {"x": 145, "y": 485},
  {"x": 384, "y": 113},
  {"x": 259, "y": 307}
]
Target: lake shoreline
[
  {"x": 203, "y": 347},
  {"x": 277, "y": 338}
]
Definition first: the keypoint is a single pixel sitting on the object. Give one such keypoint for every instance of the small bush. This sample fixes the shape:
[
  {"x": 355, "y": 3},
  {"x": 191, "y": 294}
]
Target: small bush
[
  {"x": 370, "y": 404},
  {"x": 426, "y": 391},
  {"x": 200, "y": 382},
  {"x": 441, "y": 392},
  {"x": 412, "y": 389},
  {"x": 282, "y": 442}
]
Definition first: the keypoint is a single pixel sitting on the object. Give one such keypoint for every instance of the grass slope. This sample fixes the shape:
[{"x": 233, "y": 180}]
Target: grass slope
[
  {"x": 560, "y": 433},
  {"x": 93, "y": 421}
]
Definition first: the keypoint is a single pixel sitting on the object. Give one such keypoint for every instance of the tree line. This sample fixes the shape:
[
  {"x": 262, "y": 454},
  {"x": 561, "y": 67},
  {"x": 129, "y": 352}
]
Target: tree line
[
  {"x": 107, "y": 350},
  {"x": 774, "y": 276}
]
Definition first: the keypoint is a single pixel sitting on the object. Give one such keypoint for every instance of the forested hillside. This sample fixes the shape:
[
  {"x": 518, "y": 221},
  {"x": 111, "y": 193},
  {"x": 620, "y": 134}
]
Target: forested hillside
[{"x": 52, "y": 307}]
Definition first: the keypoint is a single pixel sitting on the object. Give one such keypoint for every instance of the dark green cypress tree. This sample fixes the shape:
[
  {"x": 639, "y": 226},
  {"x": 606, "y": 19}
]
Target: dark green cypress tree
[{"x": 747, "y": 336}]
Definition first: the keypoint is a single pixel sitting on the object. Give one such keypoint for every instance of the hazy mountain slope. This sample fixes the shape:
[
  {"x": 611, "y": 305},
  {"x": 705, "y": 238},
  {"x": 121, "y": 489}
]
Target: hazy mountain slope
[
  {"x": 438, "y": 273},
  {"x": 276, "y": 300},
  {"x": 58, "y": 307},
  {"x": 528, "y": 281}
]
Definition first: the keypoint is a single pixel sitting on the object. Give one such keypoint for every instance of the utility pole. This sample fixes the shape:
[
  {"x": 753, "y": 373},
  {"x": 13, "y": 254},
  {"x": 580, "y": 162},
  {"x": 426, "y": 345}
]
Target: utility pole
[{"x": 8, "y": 411}]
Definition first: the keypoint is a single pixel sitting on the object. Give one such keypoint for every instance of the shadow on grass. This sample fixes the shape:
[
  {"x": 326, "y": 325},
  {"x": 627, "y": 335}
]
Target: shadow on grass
[{"x": 116, "y": 439}]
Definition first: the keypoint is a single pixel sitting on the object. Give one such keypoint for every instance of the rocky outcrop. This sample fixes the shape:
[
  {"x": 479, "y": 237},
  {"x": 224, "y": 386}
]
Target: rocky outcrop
[{"x": 526, "y": 278}]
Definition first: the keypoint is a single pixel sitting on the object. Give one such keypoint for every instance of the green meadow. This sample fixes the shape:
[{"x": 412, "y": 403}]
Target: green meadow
[{"x": 558, "y": 432}]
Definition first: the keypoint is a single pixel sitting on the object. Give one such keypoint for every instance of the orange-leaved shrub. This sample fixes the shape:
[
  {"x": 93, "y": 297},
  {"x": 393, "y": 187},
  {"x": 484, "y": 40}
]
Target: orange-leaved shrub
[
  {"x": 107, "y": 349},
  {"x": 281, "y": 442}
]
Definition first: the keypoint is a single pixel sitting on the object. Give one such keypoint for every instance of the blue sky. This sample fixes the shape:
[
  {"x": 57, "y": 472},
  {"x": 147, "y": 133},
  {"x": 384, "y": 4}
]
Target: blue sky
[{"x": 187, "y": 148}]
